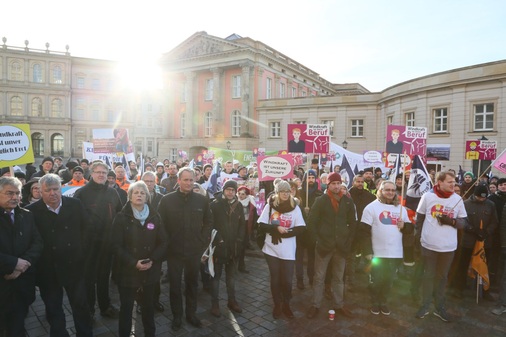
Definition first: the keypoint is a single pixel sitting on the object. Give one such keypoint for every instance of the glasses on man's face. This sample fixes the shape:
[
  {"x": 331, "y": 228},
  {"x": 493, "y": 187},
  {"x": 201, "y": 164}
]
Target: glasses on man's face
[
  {"x": 100, "y": 172},
  {"x": 10, "y": 194}
]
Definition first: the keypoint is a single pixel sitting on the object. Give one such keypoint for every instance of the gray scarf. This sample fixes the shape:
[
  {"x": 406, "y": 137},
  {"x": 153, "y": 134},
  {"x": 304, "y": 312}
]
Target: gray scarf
[{"x": 141, "y": 215}]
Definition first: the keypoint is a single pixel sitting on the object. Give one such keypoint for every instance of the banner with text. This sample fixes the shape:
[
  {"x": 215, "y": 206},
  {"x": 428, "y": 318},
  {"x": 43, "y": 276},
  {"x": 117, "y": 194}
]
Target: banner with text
[
  {"x": 308, "y": 138},
  {"x": 15, "y": 145},
  {"x": 112, "y": 140},
  {"x": 481, "y": 149},
  {"x": 272, "y": 167}
]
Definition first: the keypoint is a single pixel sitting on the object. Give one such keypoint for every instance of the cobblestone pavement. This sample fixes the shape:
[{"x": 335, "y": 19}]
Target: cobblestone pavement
[{"x": 253, "y": 294}]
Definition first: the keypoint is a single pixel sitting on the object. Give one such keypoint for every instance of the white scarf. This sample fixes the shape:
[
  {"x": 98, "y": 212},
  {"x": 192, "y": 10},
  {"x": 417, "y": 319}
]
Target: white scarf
[{"x": 141, "y": 215}]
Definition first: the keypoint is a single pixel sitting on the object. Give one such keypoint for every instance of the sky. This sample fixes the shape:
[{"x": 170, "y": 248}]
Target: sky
[{"x": 377, "y": 43}]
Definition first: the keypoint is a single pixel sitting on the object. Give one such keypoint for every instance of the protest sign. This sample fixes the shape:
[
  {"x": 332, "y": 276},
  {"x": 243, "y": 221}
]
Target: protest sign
[
  {"x": 15, "y": 145},
  {"x": 272, "y": 167}
]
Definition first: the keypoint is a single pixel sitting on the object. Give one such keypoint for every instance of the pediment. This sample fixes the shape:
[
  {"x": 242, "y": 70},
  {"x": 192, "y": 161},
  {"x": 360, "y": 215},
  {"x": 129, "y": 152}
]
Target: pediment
[{"x": 201, "y": 45}]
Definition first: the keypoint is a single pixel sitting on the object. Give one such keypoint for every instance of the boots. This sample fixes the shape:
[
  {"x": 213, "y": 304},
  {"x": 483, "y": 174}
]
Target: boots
[
  {"x": 215, "y": 309},
  {"x": 234, "y": 306}
]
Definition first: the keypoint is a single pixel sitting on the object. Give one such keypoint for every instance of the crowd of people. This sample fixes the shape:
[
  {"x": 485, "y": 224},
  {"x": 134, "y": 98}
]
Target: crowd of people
[{"x": 122, "y": 223}]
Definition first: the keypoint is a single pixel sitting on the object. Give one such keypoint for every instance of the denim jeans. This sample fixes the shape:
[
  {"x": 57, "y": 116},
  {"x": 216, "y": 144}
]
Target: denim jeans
[
  {"x": 338, "y": 262},
  {"x": 436, "y": 268}
]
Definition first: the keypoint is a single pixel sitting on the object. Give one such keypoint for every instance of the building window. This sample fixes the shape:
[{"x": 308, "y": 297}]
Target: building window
[
  {"x": 209, "y": 89},
  {"x": 16, "y": 106},
  {"x": 268, "y": 88},
  {"x": 440, "y": 120},
  {"x": 95, "y": 110},
  {"x": 57, "y": 75},
  {"x": 208, "y": 124},
  {"x": 410, "y": 118},
  {"x": 37, "y": 73},
  {"x": 236, "y": 86},
  {"x": 275, "y": 129},
  {"x": 390, "y": 120},
  {"x": 110, "y": 115},
  {"x": 357, "y": 127},
  {"x": 174, "y": 153},
  {"x": 300, "y": 122},
  {"x": 80, "y": 82},
  {"x": 56, "y": 108},
  {"x": 38, "y": 144},
  {"x": 330, "y": 123},
  {"x": 95, "y": 84},
  {"x": 294, "y": 92},
  {"x": 282, "y": 90},
  {"x": 16, "y": 71},
  {"x": 80, "y": 108},
  {"x": 484, "y": 117},
  {"x": 183, "y": 125},
  {"x": 304, "y": 94},
  {"x": 236, "y": 123},
  {"x": 57, "y": 144},
  {"x": 150, "y": 145},
  {"x": 36, "y": 107}
]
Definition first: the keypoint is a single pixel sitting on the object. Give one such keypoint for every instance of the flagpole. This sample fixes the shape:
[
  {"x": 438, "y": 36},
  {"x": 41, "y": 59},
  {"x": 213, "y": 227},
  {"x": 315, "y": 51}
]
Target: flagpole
[
  {"x": 402, "y": 185},
  {"x": 476, "y": 179},
  {"x": 308, "y": 166},
  {"x": 478, "y": 280}
]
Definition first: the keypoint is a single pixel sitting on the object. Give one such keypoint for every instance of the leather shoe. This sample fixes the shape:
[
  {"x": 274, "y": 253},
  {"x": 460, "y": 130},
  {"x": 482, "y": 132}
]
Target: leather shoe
[
  {"x": 176, "y": 323},
  {"x": 234, "y": 306},
  {"x": 193, "y": 320},
  {"x": 110, "y": 312},
  {"x": 287, "y": 311},
  {"x": 215, "y": 310},
  {"x": 345, "y": 312},
  {"x": 159, "y": 307},
  {"x": 243, "y": 270},
  {"x": 312, "y": 312}
]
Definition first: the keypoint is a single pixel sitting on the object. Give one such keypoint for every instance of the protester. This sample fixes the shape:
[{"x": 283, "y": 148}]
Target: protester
[
  {"x": 248, "y": 204},
  {"x": 45, "y": 168},
  {"x": 31, "y": 192}
]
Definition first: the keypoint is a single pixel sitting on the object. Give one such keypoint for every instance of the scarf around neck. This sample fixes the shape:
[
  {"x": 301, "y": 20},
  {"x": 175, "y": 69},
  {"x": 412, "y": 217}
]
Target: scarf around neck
[
  {"x": 442, "y": 194},
  {"x": 335, "y": 200},
  {"x": 141, "y": 215}
]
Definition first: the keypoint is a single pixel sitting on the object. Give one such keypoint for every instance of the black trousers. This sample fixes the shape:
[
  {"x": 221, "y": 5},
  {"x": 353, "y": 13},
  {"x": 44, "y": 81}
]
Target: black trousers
[
  {"x": 12, "y": 316},
  {"x": 52, "y": 295},
  {"x": 98, "y": 273},
  {"x": 176, "y": 265},
  {"x": 127, "y": 296}
]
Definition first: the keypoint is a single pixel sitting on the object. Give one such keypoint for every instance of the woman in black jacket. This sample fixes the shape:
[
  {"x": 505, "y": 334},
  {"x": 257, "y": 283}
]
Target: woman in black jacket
[{"x": 140, "y": 245}]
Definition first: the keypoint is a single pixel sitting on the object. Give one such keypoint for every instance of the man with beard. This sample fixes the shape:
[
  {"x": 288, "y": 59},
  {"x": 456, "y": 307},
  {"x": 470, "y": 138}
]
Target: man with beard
[
  {"x": 361, "y": 198},
  {"x": 101, "y": 203},
  {"x": 309, "y": 192},
  {"x": 369, "y": 184},
  {"x": 170, "y": 181},
  {"x": 332, "y": 224}
]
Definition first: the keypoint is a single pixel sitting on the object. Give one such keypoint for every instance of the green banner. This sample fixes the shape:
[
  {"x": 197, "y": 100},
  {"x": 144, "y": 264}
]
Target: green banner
[{"x": 245, "y": 158}]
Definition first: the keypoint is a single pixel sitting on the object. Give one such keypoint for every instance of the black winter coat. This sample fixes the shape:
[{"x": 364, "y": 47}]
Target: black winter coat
[
  {"x": 19, "y": 241},
  {"x": 228, "y": 220},
  {"x": 65, "y": 241},
  {"x": 132, "y": 242},
  {"x": 479, "y": 212},
  {"x": 332, "y": 230},
  {"x": 187, "y": 220}
]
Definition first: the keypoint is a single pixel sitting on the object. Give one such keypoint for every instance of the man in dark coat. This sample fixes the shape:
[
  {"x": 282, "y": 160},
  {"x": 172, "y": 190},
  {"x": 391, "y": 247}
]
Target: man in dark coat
[
  {"x": 101, "y": 203},
  {"x": 494, "y": 260},
  {"x": 228, "y": 220},
  {"x": 20, "y": 248},
  {"x": 62, "y": 224},
  {"x": 332, "y": 223},
  {"x": 45, "y": 168},
  {"x": 187, "y": 218}
]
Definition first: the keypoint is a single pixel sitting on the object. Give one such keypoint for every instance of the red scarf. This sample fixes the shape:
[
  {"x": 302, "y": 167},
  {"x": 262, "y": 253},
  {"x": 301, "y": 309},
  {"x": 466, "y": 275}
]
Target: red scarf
[
  {"x": 334, "y": 200},
  {"x": 442, "y": 194}
]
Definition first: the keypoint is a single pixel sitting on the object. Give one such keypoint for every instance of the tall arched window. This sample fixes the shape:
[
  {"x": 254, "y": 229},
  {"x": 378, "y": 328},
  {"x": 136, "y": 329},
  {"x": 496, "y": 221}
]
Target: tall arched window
[
  {"x": 37, "y": 73},
  {"x": 208, "y": 124},
  {"x": 38, "y": 144},
  {"x": 183, "y": 125},
  {"x": 57, "y": 144},
  {"x": 16, "y": 106},
  {"x": 236, "y": 123},
  {"x": 36, "y": 107},
  {"x": 56, "y": 108},
  {"x": 57, "y": 75}
]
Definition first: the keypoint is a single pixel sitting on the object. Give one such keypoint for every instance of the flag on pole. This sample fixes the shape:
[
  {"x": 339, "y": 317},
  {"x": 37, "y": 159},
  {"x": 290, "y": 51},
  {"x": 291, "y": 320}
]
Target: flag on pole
[
  {"x": 478, "y": 264},
  {"x": 107, "y": 162},
  {"x": 356, "y": 170},
  {"x": 460, "y": 175},
  {"x": 124, "y": 162},
  {"x": 419, "y": 183},
  {"x": 191, "y": 164},
  {"x": 346, "y": 173},
  {"x": 500, "y": 162},
  {"x": 214, "y": 185},
  {"x": 397, "y": 169},
  {"x": 141, "y": 168}
]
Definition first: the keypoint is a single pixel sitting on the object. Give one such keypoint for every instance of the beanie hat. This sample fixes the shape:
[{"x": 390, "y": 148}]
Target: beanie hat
[
  {"x": 311, "y": 173},
  {"x": 19, "y": 174},
  {"x": 4, "y": 170},
  {"x": 230, "y": 184},
  {"x": 368, "y": 169},
  {"x": 334, "y": 176},
  {"x": 282, "y": 186},
  {"x": 245, "y": 189},
  {"x": 481, "y": 191},
  {"x": 207, "y": 165},
  {"x": 78, "y": 169},
  {"x": 86, "y": 161},
  {"x": 111, "y": 174},
  {"x": 149, "y": 165},
  {"x": 48, "y": 159},
  {"x": 469, "y": 174}
]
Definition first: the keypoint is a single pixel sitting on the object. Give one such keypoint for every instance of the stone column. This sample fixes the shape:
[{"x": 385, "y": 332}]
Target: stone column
[
  {"x": 245, "y": 92},
  {"x": 190, "y": 114},
  {"x": 218, "y": 113}
]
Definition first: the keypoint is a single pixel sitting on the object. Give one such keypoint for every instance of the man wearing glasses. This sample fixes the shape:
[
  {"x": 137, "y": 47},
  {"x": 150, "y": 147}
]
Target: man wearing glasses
[
  {"x": 20, "y": 247},
  {"x": 101, "y": 203}
]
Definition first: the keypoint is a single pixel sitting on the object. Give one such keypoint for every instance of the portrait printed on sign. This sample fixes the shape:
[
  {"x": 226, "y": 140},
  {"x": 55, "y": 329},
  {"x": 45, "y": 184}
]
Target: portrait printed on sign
[
  {"x": 411, "y": 140},
  {"x": 308, "y": 138}
]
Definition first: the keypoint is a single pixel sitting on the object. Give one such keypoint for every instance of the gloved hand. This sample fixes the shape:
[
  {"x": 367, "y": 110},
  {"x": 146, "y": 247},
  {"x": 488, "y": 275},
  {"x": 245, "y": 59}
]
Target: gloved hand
[
  {"x": 276, "y": 238},
  {"x": 445, "y": 220},
  {"x": 481, "y": 235}
]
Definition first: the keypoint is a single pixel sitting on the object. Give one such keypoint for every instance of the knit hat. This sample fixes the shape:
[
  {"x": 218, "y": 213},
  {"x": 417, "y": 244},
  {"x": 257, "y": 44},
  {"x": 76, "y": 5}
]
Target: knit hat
[
  {"x": 311, "y": 173},
  {"x": 468, "y": 173},
  {"x": 245, "y": 189},
  {"x": 71, "y": 164},
  {"x": 481, "y": 191},
  {"x": 230, "y": 184},
  {"x": 85, "y": 161},
  {"x": 368, "y": 169},
  {"x": 78, "y": 169},
  {"x": 149, "y": 165},
  {"x": 4, "y": 170},
  {"x": 334, "y": 176},
  {"x": 19, "y": 174},
  {"x": 282, "y": 186},
  {"x": 48, "y": 159}
]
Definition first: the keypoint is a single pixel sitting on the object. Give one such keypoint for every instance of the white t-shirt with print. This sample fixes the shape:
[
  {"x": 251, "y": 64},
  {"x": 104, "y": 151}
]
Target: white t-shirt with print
[
  {"x": 284, "y": 250},
  {"x": 386, "y": 236},
  {"x": 436, "y": 237}
]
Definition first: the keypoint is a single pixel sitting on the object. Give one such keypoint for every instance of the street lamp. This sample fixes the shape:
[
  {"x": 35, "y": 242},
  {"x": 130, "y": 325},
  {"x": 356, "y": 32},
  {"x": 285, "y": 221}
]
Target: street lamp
[
  {"x": 228, "y": 145},
  {"x": 345, "y": 144},
  {"x": 483, "y": 137}
]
